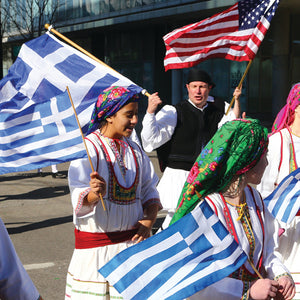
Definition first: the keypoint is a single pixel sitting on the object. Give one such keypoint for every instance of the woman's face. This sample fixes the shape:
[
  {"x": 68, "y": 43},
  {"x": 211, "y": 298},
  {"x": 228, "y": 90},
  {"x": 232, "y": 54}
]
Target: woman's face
[
  {"x": 123, "y": 121},
  {"x": 255, "y": 174}
]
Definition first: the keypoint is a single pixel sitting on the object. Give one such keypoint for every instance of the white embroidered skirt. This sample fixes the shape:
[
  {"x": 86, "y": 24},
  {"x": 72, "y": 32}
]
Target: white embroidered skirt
[{"x": 84, "y": 282}]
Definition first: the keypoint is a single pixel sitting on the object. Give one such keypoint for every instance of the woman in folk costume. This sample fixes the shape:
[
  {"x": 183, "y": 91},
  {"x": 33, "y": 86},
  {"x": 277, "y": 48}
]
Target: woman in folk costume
[
  {"x": 234, "y": 158},
  {"x": 125, "y": 177},
  {"x": 284, "y": 158}
]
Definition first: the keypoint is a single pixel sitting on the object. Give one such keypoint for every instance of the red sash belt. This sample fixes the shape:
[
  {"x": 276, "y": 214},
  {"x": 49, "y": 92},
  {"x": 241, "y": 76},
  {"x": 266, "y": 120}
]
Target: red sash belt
[
  {"x": 298, "y": 213},
  {"x": 85, "y": 240}
]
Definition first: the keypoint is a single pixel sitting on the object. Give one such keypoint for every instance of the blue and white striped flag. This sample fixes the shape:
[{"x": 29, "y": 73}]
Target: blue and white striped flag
[
  {"x": 39, "y": 133},
  {"x": 44, "y": 68},
  {"x": 284, "y": 201},
  {"x": 193, "y": 253}
]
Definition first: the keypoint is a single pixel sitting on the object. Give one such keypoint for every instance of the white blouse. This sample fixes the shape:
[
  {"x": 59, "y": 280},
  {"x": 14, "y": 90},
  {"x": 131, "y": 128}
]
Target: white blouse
[
  {"x": 117, "y": 216},
  {"x": 158, "y": 129},
  {"x": 265, "y": 245}
]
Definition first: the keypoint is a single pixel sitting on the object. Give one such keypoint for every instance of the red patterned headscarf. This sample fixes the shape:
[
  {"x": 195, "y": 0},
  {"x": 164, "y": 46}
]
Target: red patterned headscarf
[
  {"x": 109, "y": 102},
  {"x": 286, "y": 115}
]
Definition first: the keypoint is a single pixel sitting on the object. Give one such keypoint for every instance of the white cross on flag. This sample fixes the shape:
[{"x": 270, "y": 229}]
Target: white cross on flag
[
  {"x": 37, "y": 124},
  {"x": 191, "y": 254}
]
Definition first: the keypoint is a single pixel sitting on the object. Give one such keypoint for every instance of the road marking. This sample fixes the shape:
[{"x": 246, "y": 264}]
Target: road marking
[{"x": 39, "y": 266}]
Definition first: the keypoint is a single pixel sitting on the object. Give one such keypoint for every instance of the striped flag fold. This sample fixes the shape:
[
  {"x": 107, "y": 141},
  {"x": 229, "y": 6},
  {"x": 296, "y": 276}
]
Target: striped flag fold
[
  {"x": 234, "y": 34},
  {"x": 188, "y": 256},
  {"x": 39, "y": 133},
  {"x": 284, "y": 201}
]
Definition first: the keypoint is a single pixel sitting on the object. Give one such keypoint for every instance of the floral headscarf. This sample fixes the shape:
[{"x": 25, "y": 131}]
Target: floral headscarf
[
  {"x": 234, "y": 149},
  {"x": 286, "y": 115},
  {"x": 109, "y": 102}
]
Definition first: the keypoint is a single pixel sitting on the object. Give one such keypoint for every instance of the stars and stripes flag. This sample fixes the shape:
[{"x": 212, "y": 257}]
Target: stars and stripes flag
[
  {"x": 284, "y": 201},
  {"x": 193, "y": 253},
  {"x": 234, "y": 34},
  {"x": 32, "y": 117}
]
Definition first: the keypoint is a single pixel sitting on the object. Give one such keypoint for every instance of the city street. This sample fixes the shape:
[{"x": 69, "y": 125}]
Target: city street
[{"x": 37, "y": 213}]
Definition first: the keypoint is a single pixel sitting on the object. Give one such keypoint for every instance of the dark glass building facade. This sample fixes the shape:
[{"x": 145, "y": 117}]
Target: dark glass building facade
[{"x": 128, "y": 36}]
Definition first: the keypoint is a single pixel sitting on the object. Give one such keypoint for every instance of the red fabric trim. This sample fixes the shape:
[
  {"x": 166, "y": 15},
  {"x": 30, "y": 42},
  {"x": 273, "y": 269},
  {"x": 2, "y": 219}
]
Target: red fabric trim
[
  {"x": 228, "y": 219},
  {"x": 231, "y": 229},
  {"x": 281, "y": 147},
  {"x": 95, "y": 150},
  {"x": 215, "y": 208},
  {"x": 86, "y": 240},
  {"x": 298, "y": 213},
  {"x": 112, "y": 167}
]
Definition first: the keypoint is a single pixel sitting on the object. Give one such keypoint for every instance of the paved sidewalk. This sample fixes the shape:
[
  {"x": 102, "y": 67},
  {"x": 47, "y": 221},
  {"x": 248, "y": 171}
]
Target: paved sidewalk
[
  {"x": 37, "y": 212},
  {"x": 38, "y": 215}
]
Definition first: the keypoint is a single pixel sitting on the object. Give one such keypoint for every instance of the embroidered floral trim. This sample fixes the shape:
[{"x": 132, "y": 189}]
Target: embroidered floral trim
[
  {"x": 246, "y": 222},
  {"x": 116, "y": 192},
  {"x": 293, "y": 164},
  {"x": 246, "y": 290},
  {"x": 243, "y": 274},
  {"x": 120, "y": 156},
  {"x": 81, "y": 199},
  {"x": 284, "y": 274}
]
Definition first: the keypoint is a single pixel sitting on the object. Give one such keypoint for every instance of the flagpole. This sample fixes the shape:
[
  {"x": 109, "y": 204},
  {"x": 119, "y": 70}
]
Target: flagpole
[
  {"x": 255, "y": 270},
  {"x": 50, "y": 28},
  {"x": 93, "y": 170},
  {"x": 240, "y": 84}
]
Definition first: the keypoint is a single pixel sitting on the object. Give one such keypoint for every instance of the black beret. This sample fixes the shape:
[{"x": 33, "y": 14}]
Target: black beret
[{"x": 199, "y": 75}]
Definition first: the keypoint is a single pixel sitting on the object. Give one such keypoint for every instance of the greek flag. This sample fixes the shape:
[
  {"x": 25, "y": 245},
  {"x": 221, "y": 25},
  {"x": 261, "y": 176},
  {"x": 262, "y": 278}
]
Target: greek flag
[
  {"x": 42, "y": 71},
  {"x": 39, "y": 133},
  {"x": 284, "y": 201},
  {"x": 193, "y": 253}
]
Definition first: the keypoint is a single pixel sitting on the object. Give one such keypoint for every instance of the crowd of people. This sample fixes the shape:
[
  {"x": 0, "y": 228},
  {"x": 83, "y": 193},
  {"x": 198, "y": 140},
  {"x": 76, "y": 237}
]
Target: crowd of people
[
  {"x": 179, "y": 133},
  {"x": 205, "y": 154}
]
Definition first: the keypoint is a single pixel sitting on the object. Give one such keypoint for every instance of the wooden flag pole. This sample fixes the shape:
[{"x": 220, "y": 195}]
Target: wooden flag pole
[
  {"x": 240, "y": 84},
  {"x": 255, "y": 270},
  {"x": 93, "y": 170},
  {"x": 50, "y": 28}
]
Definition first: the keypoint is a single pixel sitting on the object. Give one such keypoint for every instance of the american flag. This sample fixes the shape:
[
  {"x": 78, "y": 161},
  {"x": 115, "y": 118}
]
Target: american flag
[
  {"x": 193, "y": 253},
  {"x": 284, "y": 201},
  {"x": 36, "y": 115},
  {"x": 234, "y": 34}
]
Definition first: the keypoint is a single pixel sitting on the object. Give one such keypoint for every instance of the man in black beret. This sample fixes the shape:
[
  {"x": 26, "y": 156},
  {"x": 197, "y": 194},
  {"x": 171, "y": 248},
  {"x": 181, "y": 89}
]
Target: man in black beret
[{"x": 179, "y": 133}]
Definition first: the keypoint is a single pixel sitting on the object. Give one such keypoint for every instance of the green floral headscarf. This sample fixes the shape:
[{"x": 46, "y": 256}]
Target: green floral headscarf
[{"x": 234, "y": 149}]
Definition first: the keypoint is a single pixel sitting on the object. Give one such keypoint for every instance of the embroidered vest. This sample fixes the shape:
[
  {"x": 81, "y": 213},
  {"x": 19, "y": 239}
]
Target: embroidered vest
[{"x": 116, "y": 192}]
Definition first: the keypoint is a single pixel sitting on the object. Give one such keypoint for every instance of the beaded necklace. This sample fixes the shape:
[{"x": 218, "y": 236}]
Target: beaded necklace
[{"x": 117, "y": 193}]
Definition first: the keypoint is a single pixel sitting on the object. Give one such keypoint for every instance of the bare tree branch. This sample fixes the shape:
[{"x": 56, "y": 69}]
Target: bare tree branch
[{"x": 26, "y": 18}]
